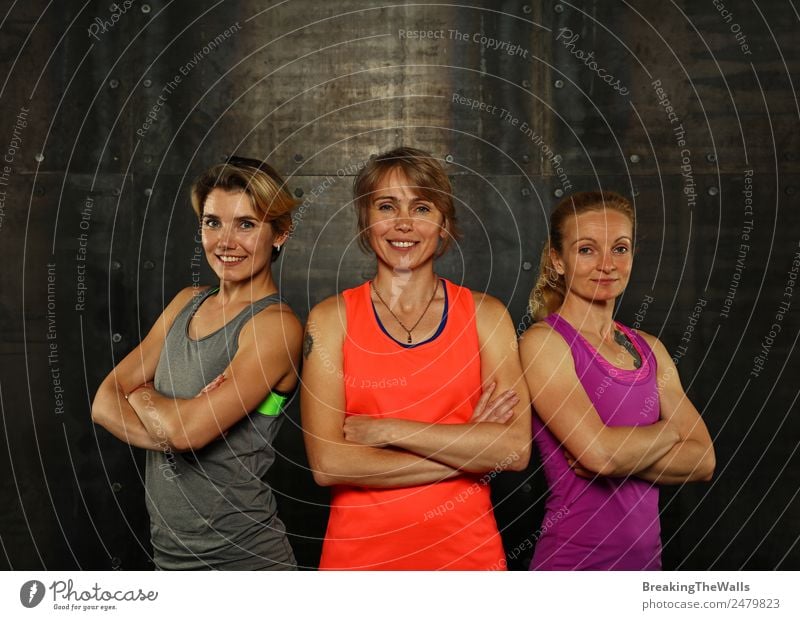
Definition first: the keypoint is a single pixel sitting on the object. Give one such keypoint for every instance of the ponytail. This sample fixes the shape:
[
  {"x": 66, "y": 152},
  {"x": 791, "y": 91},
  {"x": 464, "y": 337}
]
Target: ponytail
[{"x": 548, "y": 293}]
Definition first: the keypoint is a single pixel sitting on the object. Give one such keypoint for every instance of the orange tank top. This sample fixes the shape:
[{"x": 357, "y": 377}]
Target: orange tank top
[{"x": 447, "y": 525}]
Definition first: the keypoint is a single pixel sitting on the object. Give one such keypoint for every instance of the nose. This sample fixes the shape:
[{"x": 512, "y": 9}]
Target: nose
[
  {"x": 606, "y": 262},
  {"x": 226, "y": 238},
  {"x": 403, "y": 223}
]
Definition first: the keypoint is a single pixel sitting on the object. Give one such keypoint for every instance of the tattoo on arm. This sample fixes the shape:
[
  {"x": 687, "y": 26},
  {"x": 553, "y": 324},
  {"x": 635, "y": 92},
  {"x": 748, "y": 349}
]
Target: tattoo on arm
[{"x": 308, "y": 344}]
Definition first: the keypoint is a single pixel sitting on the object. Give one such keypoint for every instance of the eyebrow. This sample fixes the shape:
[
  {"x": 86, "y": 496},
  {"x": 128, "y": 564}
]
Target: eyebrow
[
  {"x": 395, "y": 199},
  {"x": 593, "y": 240}
]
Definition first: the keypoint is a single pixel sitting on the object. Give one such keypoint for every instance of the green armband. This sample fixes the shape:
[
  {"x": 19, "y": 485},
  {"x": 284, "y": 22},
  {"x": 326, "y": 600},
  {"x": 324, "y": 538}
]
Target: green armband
[{"x": 273, "y": 405}]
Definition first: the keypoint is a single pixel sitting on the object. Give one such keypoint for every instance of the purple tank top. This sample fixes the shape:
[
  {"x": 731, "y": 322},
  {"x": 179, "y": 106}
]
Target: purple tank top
[{"x": 603, "y": 523}]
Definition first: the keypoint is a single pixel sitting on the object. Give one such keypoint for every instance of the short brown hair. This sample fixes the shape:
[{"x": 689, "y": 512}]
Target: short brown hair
[
  {"x": 265, "y": 187},
  {"x": 425, "y": 173},
  {"x": 550, "y": 289}
]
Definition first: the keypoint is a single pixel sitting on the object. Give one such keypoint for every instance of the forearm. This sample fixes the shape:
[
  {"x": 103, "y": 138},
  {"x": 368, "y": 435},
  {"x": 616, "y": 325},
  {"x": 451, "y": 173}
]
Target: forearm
[
  {"x": 159, "y": 415},
  {"x": 357, "y": 465},
  {"x": 687, "y": 461},
  {"x": 625, "y": 450},
  {"x": 477, "y": 447},
  {"x": 114, "y": 413}
]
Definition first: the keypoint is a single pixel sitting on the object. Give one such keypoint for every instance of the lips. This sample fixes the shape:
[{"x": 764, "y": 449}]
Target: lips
[
  {"x": 403, "y": 245},
  {"x": 230, "y": 260}
]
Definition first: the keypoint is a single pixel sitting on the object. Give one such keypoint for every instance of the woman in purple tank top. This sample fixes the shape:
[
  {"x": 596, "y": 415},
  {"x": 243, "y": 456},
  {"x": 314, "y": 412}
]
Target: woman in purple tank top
[{"x": 612, "y": 420}]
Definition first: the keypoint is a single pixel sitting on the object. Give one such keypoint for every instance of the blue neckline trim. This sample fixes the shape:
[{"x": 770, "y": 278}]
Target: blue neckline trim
[{"x": 439, "y": 330}]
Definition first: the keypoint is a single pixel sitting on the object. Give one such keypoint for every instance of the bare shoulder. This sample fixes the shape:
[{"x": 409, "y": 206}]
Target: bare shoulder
[
  {"x": 278, "y": 321},
  {"x": 654, "y": 343},
  {"x": 489, "y": 310},
  {"x": 541, "y": 339},
  {"x": 329, "y": 311}
]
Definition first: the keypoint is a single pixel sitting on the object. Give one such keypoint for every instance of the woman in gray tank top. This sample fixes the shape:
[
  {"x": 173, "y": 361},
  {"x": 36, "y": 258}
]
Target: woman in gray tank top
[{"x": 203, "y": 391}]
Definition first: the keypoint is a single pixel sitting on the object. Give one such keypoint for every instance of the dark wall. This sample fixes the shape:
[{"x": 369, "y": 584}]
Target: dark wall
[{"x": 100, "y": 142}]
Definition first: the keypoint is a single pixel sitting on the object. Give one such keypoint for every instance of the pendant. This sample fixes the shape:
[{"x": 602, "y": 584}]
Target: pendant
[{"x": 409, "y": 339}]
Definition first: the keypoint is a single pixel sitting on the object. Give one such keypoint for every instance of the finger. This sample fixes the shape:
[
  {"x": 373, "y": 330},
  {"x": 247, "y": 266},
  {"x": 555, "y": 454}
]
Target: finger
[
  {"x": 504, "y": 411},
  {"x": 503, "y": 402},
  {"x": 480, "y": 409}
]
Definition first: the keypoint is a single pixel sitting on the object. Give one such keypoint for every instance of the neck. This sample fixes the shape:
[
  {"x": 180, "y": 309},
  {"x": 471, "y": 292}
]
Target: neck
[
  {"x": 246, "y": 291},
  {"x": 406, "y": 287},
  {"x": 595, "y": 317}
]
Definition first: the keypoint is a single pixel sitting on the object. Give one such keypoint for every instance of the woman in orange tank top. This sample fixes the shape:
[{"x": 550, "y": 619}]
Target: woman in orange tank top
[{"x": 412, "y": 392}]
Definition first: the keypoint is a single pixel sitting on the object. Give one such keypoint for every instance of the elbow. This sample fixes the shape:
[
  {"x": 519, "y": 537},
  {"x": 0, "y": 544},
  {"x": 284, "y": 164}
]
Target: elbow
[
  {"x": 708, "y": 466},
  {"x": 323, "y": 472},
  {"x": 599, "y": 461},
  {"x": 322, "y": 479},
  {"x": 520, "y": 456}
]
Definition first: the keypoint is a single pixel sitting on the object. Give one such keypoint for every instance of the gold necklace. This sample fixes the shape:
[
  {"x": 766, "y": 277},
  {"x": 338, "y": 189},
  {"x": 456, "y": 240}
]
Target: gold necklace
[{"x": 413, "y": 327}]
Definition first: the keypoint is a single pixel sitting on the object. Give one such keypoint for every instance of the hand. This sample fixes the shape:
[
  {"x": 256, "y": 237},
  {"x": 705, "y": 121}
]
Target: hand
[
  {"x": 365, "y": 430},
  {"x": 213, "y": 385},
  {"x": 498, "y": 410},
  {"x": 577, "y": 468}
]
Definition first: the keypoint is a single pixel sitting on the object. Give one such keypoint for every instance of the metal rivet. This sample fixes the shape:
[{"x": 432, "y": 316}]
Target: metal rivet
[
  {"x": 115, "y": 264},
  {"x": 526, "y": 84},
  {"x": 116, "y": 487},
  {"x": 116, "y": 337},
  {"x": 526, "y": 488},
  {"x": 713, "y": 191},
  {"x": 115, "y": 191},
  {"x": 635, "y": 159},
  {"x": 113, "y": 83},
  {"x": 526, "y": 159},
  {"x": 525, "y": 191},
  {"x": 711, "y": 158},
  {"x": 148, "y": 159},
  {"x": 559, "y": 83},
  {"x": 558, "y": 8},
  {"x": 558, "y": 193},
  {"x": 148, "y": 191},
  {"x": 449, "y": 158},
  {"x": 148, "y": 265},
  {"x": 39, "y": 157},
  {"x": 298, "y": 192},
  {"x": 145, "y": 8},
  {"x": 116, "y": 563},
  {"x": 526, "y": 266},
  {"x": 526, "y": 9},
  {"x": 148, "y": 83},
  {"x": 298, "y": 157}
]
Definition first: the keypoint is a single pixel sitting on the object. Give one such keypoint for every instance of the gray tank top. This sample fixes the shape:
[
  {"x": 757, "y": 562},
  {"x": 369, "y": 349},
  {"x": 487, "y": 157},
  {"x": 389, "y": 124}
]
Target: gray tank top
[{"x": 213, "y": 508}]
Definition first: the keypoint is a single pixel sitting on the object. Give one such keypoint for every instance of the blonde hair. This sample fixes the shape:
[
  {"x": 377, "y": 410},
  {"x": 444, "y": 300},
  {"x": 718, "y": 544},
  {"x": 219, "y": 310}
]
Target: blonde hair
[
  {"x": 550, "y": 289},
  {"x": 425, "y": 173},
  {"x": 266, "y": 189}
]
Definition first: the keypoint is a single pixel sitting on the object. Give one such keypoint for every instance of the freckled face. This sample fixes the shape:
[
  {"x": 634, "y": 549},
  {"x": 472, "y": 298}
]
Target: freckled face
[
  {"x": 596, "y": 257},
  {"x": 404, "y": 228},
  {"x": 237, "y": 243}
]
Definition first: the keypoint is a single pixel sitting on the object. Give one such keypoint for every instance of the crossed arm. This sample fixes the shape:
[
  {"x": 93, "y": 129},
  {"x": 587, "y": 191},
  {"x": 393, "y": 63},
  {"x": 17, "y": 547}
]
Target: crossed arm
[
  {"x": 133, "y": 411},
  {"x": 674, "y": 450},
  {"x": 387, "y": 452}
]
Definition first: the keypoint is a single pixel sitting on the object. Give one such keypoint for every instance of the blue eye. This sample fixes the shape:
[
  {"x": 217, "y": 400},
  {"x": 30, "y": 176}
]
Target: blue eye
[
  {"x": 584, "y": 250},
  {"x": 423, "y": 209},
  {"x": 621, "y": 249},
  {"x": 210, "y": 222},
  {"x": 246, "y": 224}
]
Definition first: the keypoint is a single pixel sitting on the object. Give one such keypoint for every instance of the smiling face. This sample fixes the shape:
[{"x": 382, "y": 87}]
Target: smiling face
[
  {"x": 237, "y": 243},
  {"x": 596, "y": 254},
  {"x": 404, "y": 229}
]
